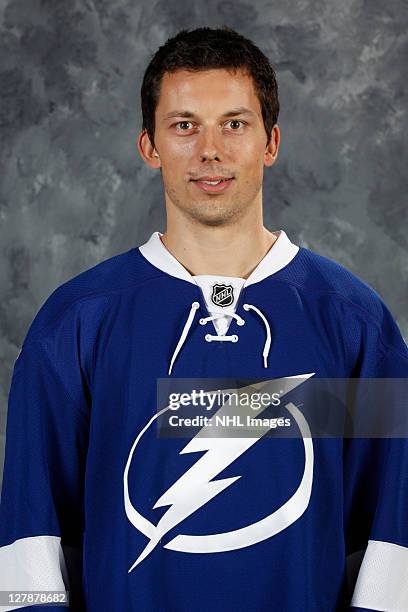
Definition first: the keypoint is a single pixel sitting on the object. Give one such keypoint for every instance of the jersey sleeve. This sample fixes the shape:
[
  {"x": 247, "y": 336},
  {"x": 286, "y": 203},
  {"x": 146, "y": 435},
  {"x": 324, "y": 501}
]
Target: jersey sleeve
[
  {"x": 41, "y": 509},
  {"x": 376, "y": 485}
]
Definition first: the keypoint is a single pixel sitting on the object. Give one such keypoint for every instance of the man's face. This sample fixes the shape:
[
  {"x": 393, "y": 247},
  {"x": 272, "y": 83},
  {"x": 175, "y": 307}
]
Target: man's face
[{"x": 209, "y": 125}]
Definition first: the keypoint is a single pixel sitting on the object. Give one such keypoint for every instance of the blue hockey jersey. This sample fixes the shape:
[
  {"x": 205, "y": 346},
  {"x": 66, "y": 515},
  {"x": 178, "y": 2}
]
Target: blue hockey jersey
[{"x": 96, "y": 503}]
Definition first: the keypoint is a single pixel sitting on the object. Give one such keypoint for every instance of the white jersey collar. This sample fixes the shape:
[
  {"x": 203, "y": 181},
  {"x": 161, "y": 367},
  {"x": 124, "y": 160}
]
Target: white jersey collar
[{"x": 279, "y": 255}]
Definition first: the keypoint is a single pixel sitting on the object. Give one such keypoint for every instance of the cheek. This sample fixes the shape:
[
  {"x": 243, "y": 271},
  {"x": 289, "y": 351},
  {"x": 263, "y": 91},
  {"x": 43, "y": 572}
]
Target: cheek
[
  {"x": 248, "y": 157},
  {"x": 245, "y": 147},
  {"x": 181, "y": 151},
  {"x": 182, "y": 156}
]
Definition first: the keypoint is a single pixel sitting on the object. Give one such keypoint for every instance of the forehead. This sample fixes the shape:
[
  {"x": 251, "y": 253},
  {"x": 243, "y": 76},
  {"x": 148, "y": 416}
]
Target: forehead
[{"x": 207, "y": 90}]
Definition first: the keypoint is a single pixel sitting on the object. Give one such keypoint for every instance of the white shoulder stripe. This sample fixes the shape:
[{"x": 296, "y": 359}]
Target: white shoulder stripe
[
  {"x": 382, "y": 582},
  {"x": 32, "y": 564}
]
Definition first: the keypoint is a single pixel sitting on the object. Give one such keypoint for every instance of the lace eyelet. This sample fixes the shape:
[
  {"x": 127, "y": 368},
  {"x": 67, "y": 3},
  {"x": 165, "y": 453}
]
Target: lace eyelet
[
  {"x": 241, "y": 322},
  {"x": 246, "y": 307},
  {"x": 234, "y": 338},
  {"x": 208, "y": 337},
  {"x": 202, "y": 322}
]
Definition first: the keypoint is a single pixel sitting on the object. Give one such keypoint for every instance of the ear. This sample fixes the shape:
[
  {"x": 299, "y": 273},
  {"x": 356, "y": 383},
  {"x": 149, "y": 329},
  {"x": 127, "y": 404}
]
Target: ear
[
  {"x": 271, "y": 151},
  {"x": 147, "y": 151}
]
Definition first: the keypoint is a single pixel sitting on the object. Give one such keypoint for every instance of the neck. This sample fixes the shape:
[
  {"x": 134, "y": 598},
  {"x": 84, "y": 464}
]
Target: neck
[{"x": 227, "y": 250}]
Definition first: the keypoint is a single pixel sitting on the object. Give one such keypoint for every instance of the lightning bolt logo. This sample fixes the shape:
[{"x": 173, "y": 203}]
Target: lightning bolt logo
[{"x": 197, "y": 486}]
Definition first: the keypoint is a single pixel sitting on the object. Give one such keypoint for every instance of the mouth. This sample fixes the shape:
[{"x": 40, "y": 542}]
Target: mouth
[{"x": 213, "y": 184}]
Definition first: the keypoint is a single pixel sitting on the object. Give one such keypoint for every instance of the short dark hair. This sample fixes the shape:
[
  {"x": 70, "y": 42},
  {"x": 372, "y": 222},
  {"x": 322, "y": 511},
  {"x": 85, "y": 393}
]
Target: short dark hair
[{"x": 207, "y": 48}]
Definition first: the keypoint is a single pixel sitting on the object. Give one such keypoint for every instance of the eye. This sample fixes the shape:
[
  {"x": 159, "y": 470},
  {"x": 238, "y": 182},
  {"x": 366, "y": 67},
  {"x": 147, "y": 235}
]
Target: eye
[
  {"x": 182, "y": 123},
  {"x": 236, "y": 121}
]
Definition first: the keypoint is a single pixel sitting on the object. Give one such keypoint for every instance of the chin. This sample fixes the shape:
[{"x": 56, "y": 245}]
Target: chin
[{"x": 213, "y": 217}]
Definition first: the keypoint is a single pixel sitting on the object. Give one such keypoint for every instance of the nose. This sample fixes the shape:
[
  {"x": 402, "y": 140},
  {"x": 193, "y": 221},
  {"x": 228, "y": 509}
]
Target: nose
[{"x": 209, "y": 146}]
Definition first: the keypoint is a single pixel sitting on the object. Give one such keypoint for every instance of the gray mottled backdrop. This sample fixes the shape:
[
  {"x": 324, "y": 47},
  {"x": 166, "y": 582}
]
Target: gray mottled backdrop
[{"x": 73, "y": 188}]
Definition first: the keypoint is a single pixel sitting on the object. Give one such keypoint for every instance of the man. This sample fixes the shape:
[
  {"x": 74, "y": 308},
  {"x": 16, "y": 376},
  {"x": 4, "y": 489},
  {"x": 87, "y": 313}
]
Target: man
[{"x": 237, "y": 524}]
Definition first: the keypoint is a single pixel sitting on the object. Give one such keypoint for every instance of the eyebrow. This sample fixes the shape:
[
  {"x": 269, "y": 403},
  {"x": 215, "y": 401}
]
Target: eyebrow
[{"x": 240, "y": 110}]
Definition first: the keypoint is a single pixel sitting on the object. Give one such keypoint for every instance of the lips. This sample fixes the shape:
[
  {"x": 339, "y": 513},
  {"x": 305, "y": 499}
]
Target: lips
[
  {"x": 214, "y": 184},
  {"x": 210, "y": 178}
]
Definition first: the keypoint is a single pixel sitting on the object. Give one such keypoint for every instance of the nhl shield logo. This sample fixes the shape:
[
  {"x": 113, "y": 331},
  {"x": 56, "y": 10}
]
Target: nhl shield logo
[{"x": 222, "y": 295}]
